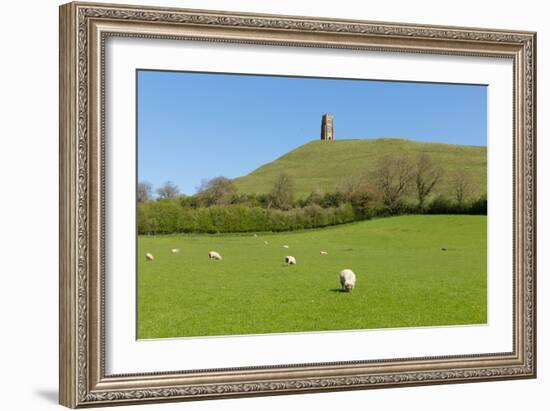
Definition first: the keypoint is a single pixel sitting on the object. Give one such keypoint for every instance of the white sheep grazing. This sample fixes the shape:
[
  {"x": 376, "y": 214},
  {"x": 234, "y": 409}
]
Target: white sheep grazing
[
  {"x": 175, "y": 250},
  {"x": 290, "y": 260},
  {"x": 285, "y": 246},
  {"x": 214, "y": 255},
  {"x": 347, "y": 280},
  {"x": 323, "y": 253},
  {"x": 266, "y": 243},
  {"x": 149, "y": 257}
]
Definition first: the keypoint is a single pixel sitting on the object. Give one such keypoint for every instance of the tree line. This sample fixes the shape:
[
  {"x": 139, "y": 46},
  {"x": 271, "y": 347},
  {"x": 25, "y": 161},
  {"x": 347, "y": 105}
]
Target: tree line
[{"x": 218, "y": 206}]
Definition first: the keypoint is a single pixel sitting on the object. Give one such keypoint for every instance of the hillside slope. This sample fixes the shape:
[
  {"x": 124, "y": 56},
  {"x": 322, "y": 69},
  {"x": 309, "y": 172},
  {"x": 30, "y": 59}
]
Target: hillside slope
[{"x": 321, "y": 165}]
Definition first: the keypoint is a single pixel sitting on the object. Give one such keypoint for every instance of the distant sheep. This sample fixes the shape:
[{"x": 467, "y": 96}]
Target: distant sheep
[
  {"x": 285, "y": 246},
  {"x": 323, "y": 253},
  {"x": 175, "y": 250},
  {"x": 255, "y": 235},
  {"x": 214, "y": 255},
  {"x": 266, "y": 243},
  {"x": 149, "y": 257},
  {"x": 290, "y": 260},
  {"x": 347, "y": 280}
]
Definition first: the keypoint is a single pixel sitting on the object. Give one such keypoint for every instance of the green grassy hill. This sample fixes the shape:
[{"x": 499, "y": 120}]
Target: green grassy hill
[{"x": 321, "y": 165}]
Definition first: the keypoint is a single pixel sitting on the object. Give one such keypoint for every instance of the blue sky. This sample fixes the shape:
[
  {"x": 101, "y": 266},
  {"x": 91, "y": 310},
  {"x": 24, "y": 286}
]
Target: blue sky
[{"x": 194, "y": 126}]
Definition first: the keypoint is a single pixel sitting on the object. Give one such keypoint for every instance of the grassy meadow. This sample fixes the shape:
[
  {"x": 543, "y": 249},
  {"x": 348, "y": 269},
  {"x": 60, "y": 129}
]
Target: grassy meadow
[
  {"x": 321, "y": 165},
  {"x": 420, "y": 270}
]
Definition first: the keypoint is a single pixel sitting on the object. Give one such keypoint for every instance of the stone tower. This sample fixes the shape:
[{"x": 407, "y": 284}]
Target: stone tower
[{"x": 327, "y": 127}]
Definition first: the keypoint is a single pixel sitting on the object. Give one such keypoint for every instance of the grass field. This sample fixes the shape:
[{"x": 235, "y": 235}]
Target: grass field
[
  {"x": 321, "y": 165},
  {"x": 404, "y": 279}
]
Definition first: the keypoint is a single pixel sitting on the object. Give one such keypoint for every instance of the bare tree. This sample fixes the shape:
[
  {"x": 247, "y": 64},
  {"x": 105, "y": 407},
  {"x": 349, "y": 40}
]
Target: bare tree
[
  {"x": 168, "y": 190},
  {"x": 217, "y": 191},
  {"x": 349, "y": 184},
  {"x": 393, "y": 176},
  {"x": 315, "y": 197},
  {"x": 144, "y": 191},
  {"x": 282, "y": 194},
  {"x": 461, "y": 186},
  {"x": 426, "y": 177},
  {"x": 359, "y": 192}
]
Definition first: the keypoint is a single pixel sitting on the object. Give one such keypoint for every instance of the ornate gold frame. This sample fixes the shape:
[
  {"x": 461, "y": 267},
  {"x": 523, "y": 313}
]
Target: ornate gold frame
[{"x": 83, "y": 30}]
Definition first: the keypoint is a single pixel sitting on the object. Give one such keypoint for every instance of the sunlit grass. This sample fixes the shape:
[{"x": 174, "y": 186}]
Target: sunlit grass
[
  {"x": 411, "y": 271},
  {"x": 321, "y": 165}
]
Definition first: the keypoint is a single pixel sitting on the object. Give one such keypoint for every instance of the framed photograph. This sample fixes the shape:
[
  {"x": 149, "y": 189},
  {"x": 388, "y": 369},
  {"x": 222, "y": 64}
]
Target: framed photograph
[{"x": 260, "y": 204}]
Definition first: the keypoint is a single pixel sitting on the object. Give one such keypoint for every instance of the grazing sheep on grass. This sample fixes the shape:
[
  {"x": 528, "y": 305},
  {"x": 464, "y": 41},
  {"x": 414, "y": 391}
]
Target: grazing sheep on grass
[
  {"x": 347, "y": 280},
  {"x": 149, "y": 257},
  {"x": 285, "y": 246},
  {"x": 323, "y": 253},
  {"x": 214, "y": 255},
  {"x": 290, "y": 260},
  {"x": 266, "y": 243},
  {"x": 175, "y": 250}
]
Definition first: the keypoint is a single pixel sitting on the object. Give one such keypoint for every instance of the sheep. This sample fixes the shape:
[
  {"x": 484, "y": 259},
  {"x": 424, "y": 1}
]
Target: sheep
[
  {"x": 290, "y": 260},
  {"x": 175, "y": 250},
  {"x": 266, "y": 243},
  {"x": 347, "y": 280},
  {"x": 323, "y": 253},
  {"x": 149, "y": 257},
  {"x": 255, "y": 235},
  {"x": 285, "y": 246},
  {"x": 214, "y": 255}
]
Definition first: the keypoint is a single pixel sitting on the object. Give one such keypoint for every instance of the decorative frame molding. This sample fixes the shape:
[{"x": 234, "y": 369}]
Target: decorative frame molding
[{"x": 83, "y": 30}]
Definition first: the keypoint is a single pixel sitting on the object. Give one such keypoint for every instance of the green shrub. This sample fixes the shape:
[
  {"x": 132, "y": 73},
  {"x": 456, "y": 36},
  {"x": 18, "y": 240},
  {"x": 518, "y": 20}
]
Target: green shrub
[
  {"x": 443, "y": 205},
  {"x": 168, "y": 216},
  {"x": 183, "y": 215},
  {"x": 479, "y": 206}
]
